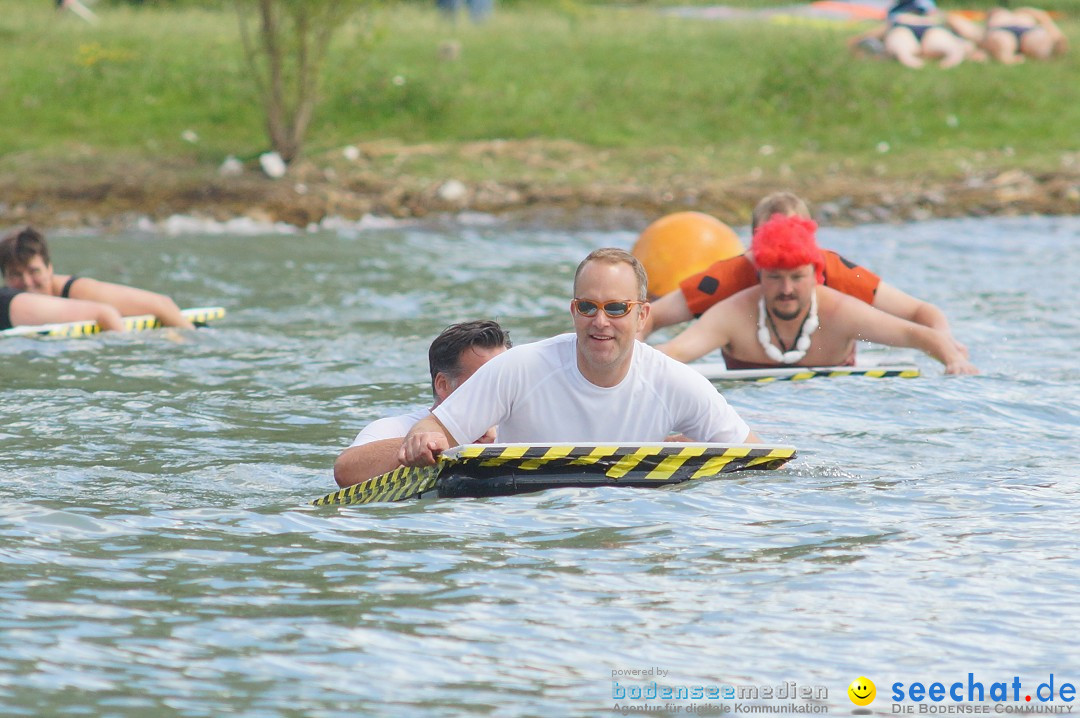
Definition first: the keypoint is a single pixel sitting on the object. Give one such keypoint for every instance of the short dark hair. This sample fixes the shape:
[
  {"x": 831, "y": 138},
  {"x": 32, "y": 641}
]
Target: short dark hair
[
  {"x": 21, "y": 246},
  {"x": 444, "y": 355}
]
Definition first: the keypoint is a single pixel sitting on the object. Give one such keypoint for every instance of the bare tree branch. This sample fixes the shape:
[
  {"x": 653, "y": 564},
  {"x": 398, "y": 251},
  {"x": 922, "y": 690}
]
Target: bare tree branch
[{"x": 286, "y": 63}]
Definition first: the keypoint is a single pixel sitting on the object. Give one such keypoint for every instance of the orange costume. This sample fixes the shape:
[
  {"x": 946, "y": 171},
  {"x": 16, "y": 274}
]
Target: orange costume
[{"x": 728, "y": 276}]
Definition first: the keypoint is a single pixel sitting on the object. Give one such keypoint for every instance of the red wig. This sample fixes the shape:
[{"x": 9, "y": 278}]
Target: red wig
[{"x": 787, "y": 242}]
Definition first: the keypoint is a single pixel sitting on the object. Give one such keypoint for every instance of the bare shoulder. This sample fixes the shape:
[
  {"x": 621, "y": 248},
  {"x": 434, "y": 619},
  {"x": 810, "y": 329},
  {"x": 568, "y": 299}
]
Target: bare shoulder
[
  {"x": 102, "y": 291},
  {"x": 83, "y": 284},
  {"x": 833, "y": 304},
  {"x": 736, "y": 306},
  {"x": 58, "y": 282},
  {"x": 829, "y": 297},
  {"x": 744, "y": 297}
]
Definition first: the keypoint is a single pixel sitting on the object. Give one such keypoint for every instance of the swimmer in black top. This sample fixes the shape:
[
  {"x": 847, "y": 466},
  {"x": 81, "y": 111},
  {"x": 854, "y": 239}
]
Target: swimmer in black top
[
  {"x": 19, "y": 308},
  {"x": 24, "y": 260}
]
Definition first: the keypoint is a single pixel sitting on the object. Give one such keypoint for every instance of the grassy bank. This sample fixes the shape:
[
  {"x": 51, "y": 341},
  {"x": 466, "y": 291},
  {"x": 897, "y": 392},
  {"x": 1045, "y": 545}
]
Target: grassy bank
[{"x": 647, "y": 95}]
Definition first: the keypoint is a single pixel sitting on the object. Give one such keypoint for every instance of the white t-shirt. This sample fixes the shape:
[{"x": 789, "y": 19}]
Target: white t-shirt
[
  {"x": 392, "y": 427},
  {"x": 535, "y": 393}
]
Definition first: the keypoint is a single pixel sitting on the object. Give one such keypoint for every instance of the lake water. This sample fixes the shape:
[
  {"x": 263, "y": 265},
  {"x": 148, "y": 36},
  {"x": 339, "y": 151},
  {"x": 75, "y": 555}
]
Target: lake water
[{"x": 158, "y": 555}]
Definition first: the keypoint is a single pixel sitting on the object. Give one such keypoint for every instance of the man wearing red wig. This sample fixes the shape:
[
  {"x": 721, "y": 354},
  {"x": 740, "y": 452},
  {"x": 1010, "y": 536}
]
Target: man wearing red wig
[
  {"x": 724, "y": 278},
  {"x": 791, "y": 319}
]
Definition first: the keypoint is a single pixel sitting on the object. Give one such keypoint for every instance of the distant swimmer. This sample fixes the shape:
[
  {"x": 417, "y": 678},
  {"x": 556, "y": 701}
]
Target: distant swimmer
[
  {"x": 453, "y": 357},
  {"x": 722, "y": 279},
  {"x": 789, "y": 320},
  {"x": 24, "y": 260},
  {"x": 596, "y": 385}
]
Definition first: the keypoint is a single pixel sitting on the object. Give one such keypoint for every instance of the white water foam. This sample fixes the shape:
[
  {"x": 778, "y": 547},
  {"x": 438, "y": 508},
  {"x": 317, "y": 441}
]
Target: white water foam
[{"x": 182, "y": 224}]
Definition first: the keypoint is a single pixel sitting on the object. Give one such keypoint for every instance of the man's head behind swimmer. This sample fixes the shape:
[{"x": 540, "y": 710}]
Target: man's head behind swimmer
[
  {"x": 460, "y": 350},
  {"x": 778, "y": 203}
]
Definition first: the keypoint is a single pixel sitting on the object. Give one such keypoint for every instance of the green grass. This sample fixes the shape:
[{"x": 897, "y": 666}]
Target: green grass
[{"x": 694, "y": 95}]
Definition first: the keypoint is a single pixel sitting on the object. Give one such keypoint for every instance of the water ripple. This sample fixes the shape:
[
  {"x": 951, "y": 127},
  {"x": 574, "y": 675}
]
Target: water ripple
[{"x": 160, "y": 557}]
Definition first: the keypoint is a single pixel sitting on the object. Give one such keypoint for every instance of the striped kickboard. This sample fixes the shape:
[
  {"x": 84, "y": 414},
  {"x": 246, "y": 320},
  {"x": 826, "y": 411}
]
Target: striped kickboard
[
  {"x": 477, "y": 470},
  {"x": 199, "y": 316},
  {"x": 718, "y": 372}
]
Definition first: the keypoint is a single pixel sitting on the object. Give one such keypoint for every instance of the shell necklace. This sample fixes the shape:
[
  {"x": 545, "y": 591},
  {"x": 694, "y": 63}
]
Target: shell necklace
[{"x": 801, "y": 345}]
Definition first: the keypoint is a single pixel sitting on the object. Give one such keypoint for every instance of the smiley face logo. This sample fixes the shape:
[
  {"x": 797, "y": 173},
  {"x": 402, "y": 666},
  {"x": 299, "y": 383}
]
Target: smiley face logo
[{"x": 862, "y": 691}]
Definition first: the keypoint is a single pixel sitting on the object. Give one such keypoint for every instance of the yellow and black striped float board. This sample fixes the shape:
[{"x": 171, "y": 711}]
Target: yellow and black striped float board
[
  {"x": 718, "y": 372},
  {"x": 200, "y": 317},
  {"x": 477, "y": 470},
  {"x": 402, "y": 483}
]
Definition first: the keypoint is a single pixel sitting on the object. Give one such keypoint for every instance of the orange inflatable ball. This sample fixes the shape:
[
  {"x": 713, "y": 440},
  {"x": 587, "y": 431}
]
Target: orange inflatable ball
[{"x": 678, "y": 245}]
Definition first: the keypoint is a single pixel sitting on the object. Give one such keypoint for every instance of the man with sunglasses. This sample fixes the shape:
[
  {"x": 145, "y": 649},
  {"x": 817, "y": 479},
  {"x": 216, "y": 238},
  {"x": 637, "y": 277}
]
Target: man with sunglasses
[
  {"x": 598, "y": 384},
  {"x": 453, "y": 357},
  {"x": 22, "y": 308}
]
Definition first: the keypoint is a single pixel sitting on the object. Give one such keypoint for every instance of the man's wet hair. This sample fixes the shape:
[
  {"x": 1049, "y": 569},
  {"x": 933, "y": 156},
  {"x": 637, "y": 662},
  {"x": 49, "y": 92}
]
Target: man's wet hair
[
  {"x": 784, "y": 203},
  {"x": 18, "y": 248},
  {"x": 444, "y": 355}
]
